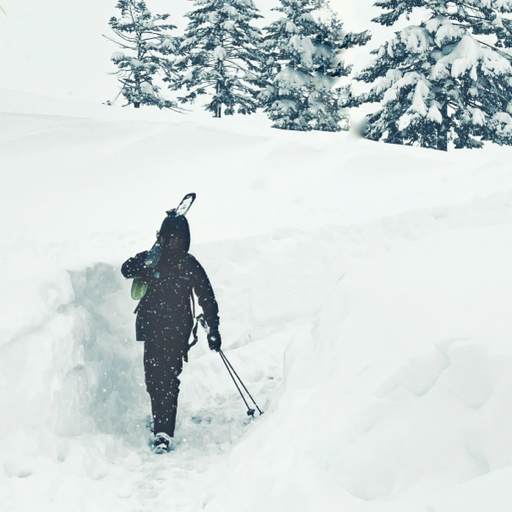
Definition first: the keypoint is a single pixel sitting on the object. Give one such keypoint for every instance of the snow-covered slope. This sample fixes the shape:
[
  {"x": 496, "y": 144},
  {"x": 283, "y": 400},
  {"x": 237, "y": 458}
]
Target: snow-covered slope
[
  {"x": 397, "y": 398},
  {"x": 364, "y": 293}
]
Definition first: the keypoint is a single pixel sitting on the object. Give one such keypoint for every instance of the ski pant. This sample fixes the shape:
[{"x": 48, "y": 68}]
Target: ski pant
[{"x": 163, "y": 363}]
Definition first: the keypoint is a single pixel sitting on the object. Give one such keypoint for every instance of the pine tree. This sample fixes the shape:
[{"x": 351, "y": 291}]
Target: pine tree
[
  {"x": 436, "y": 82},
  {"x": 325, "y": 100},
  {"x": 301, "y": 68},
  {"x": 221, "y": 56},
  {"x": 146, "y": 45}
]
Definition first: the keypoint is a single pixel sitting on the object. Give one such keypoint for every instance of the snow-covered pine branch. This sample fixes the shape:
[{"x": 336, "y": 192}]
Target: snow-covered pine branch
[
  {"x": 302, "y": 64},
  {"x": 437, "y": 84},
  {"x": 147, "y": 45},
  {"x": 221, "y": 56}
]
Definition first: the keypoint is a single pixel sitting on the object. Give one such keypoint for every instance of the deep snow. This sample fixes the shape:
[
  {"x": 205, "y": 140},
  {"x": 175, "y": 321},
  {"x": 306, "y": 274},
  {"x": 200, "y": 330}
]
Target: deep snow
[{"x": 364, "y": 294}]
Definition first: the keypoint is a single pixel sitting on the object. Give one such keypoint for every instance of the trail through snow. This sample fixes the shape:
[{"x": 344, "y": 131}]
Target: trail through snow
[{"x": 364, "y": 294}]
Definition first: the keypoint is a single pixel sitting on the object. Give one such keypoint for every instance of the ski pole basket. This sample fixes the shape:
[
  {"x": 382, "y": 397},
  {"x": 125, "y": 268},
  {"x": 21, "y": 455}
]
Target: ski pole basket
[{"x": 240, "y": 385}]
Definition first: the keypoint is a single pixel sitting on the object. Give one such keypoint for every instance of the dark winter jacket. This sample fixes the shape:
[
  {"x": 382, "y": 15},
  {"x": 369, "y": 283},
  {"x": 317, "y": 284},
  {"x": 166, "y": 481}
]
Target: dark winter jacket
[{"x": 167, "y": 305}]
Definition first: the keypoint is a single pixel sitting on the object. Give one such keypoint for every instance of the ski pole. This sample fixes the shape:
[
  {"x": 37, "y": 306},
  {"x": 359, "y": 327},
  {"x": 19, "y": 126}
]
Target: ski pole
[
  {"x": 232, "y": 373},
  {"x": 236, "y": 377}
]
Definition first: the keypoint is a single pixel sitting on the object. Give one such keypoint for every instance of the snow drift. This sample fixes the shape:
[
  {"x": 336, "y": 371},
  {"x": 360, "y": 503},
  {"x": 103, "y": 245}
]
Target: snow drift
[{"x": 364, "y": 293}]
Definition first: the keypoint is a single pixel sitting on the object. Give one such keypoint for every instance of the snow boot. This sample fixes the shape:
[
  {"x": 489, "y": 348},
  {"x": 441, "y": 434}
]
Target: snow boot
[{"x": 162, "y": 443}]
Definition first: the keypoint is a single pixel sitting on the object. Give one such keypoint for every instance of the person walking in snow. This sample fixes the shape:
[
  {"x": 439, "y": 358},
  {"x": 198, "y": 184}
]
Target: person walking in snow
[{"x": 165, "y": 319}]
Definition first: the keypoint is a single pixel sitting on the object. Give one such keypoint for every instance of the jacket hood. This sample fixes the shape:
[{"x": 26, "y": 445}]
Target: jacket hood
[{"x": 176, "y": 225}]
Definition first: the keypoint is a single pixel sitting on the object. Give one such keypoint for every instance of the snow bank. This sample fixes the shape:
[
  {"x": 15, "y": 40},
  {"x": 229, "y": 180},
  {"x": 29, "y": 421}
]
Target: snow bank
[
  {"x": 363, "y": 291},
  {"x": 398, "y": 397}
]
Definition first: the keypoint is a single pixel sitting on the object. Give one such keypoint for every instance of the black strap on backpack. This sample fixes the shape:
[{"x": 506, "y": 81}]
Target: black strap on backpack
[{"x": 194, "y": 329}]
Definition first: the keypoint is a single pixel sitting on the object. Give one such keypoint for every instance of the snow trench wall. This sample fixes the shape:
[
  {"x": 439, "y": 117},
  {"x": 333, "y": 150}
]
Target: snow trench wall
[
  {"x": 105, "y": 384},
  {"x": 78, "y": 371},
  {"x": 399, "y": 396}
]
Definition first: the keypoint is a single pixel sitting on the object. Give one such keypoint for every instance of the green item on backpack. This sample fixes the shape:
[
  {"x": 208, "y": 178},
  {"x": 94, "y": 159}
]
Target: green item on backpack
[{"x": 139, "y": 288}]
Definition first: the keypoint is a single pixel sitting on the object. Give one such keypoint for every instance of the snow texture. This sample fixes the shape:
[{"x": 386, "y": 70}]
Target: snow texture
[
  {"x": 366, "y": 307},
  {"x": 364, "y": 294}
]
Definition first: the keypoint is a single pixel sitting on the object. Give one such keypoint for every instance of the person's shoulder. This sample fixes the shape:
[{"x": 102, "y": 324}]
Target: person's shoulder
[
  {"x": 191, "y": 259},
  {"x": 192, "y": 262}
]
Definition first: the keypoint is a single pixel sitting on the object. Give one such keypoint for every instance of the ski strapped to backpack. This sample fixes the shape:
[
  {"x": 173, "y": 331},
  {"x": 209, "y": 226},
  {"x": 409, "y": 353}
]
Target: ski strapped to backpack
[{"x": 139, "y": 286}]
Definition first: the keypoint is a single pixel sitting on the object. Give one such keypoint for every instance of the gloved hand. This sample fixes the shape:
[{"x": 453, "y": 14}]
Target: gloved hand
[{"x": 214, "y": 341}]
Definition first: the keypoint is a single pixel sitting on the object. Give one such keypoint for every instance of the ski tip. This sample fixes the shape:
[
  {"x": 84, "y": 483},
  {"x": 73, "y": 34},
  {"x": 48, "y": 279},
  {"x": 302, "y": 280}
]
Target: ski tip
[{"x": 184, "y": 205}]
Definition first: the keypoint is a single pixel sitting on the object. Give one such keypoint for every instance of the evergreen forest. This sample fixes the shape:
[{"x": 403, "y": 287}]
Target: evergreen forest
[{"x": 443, "y": 82}]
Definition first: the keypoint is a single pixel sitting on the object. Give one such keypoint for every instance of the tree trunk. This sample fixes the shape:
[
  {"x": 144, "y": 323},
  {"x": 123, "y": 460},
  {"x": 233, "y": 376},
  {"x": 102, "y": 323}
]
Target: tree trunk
[
  {"x": 136, "y": 105},
  {"x": 442, "y": 134},
  {"x": 218, "y": 108}
]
